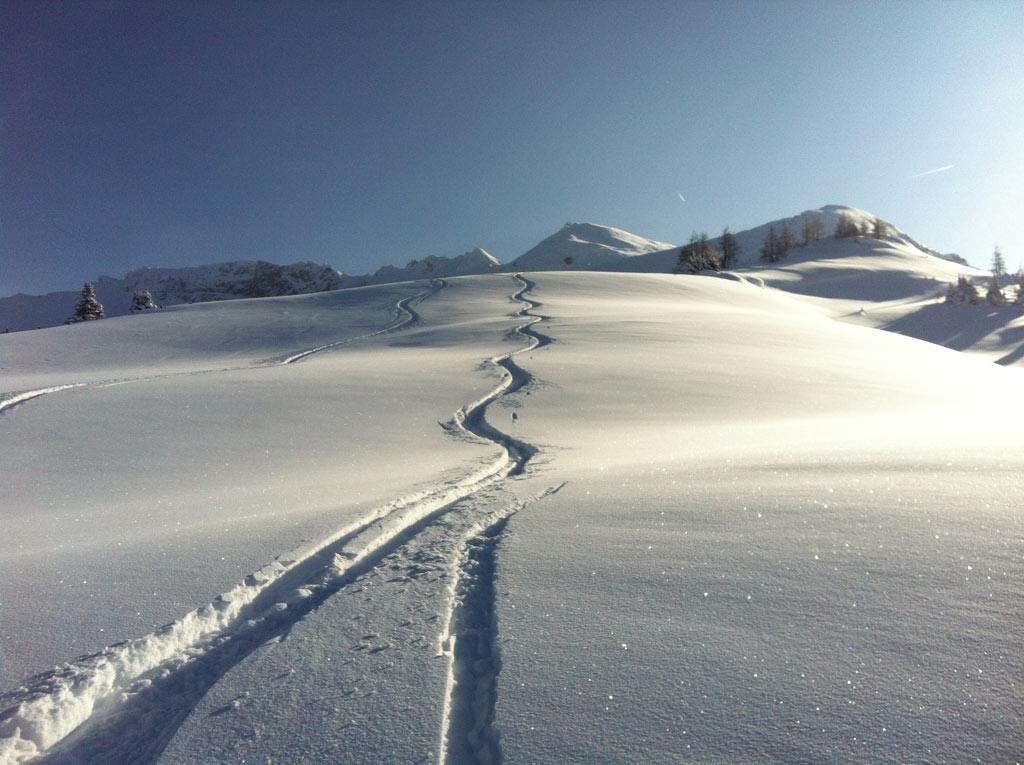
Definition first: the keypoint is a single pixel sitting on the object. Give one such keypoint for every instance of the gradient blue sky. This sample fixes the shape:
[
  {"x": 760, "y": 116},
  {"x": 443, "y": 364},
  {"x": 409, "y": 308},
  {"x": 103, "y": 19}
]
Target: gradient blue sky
[{"x": 365, "y": 133}]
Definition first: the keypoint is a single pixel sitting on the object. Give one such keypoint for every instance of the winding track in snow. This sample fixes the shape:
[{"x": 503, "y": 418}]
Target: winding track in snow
[
  {"x": 468, "y": 733},
  {"x": 96, "y": 706},
  {"x": 471, "y": 417},
  {"x": 405, "y": 316}
]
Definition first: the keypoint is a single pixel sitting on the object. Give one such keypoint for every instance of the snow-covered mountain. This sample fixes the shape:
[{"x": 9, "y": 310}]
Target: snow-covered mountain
[
  {"x": 224, "y": 281},
  {"x": 476, "y": 261},
  {"x": 575, "y": 247},
  {"x": 750, "y": 240},
  {"x": 585, "y": 247},
  {"x": 174, "y": 286}
]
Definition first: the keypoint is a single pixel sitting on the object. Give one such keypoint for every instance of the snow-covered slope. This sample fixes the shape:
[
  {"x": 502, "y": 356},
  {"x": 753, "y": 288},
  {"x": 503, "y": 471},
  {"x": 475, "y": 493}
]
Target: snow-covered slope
[
  {"x": 778, "y": 536},
  {"x": 667, "y": 519},
  {"x": 585, "y": 247},
  {"x": 174, "y": 286},
  {"x": 896, "y": 285},
  {"x": 750, "y": 240}
]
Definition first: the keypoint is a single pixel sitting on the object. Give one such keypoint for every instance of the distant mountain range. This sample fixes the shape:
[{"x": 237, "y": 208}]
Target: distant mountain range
[{"x": 577, "y": 246}]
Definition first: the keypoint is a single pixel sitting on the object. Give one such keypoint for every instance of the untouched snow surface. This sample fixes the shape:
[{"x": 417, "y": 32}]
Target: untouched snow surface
[
  {"x": 574, "y": 517},
  {"x": 586, "y": 246}
]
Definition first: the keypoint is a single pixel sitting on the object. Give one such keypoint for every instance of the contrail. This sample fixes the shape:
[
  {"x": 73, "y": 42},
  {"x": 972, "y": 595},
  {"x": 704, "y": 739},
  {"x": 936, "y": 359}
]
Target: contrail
[{"x": 932, "y": 172}]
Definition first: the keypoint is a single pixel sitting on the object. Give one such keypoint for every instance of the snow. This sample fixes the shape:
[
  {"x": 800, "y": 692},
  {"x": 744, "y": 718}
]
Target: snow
[
  {"x": 721, "y": 526},
  {"x": 782, "y": 539},
  {"x": 894, "y": 285},
  {"x": 585, "y": 246},
  {"x": 476, "y": 261},
  {"x": 900, "y": 279}
]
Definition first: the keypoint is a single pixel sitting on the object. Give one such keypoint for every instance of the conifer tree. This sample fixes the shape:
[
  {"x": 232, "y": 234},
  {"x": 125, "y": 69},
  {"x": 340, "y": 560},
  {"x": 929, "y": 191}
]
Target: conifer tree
[
  {"x": 730, "y": 248},
  {"x": 998, "y": 265},
  {"x": 142, "y": 300},
  {"x": 770, "y": 248},
  {"x": 787, "y": 240},
  {"x": 846, "y": 227},
  {"x": 963, "y": 292},
  {"x": 995, "y": 295},
  {"x": 968, "y": 290},
  {"x": 814, "y": 230},
  {"x": 879, "y": 230},
  {"x": 1018, "y": 280},
  {"x": 953, "y": 294},
  {"x": 698, "y": 255},
  {"x": 687, "y": 256},
  {"x": 88, "y": 307},
  {"x": 973, "y": 296}
]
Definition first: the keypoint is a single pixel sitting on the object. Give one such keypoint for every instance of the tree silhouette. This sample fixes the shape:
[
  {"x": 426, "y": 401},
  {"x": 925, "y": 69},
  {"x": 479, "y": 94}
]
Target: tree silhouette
[{"x": 88, "y": 307}]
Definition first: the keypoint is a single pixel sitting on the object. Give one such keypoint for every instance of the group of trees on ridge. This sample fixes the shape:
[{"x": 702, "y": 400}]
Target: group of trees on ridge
[
  {"x": 699, "y": 254},
  {"x": 965, "y": 290},
  {"x": 776, "y": 246}
]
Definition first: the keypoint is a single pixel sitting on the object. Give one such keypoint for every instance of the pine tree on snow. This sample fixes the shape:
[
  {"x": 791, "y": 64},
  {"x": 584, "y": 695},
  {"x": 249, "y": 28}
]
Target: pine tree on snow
[
  {"x": 963, "y": 291},
  {"x": 970, "y": 291},
  {"x": 142, "y": 300},
  {"x": 88, "y": 307},
  {"x": 998, "y": 265},
  {"x": 730, "y": 248},
  {"x": 995, "y": 294},
  {"x": 770, "y": 247},
  {"x": 698, "y": 255},
  {"x": 814, "y": 230},
  {"x": 846, "y": 227},
  {"x": 879, "y": 229},
  {"x": 787, "y": 240}
]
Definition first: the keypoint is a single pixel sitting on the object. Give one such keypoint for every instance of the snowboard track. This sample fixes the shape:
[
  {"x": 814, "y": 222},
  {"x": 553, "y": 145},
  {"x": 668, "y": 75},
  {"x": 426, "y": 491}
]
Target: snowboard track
[
  {"x": 124, "y": 703},
  {"x": 405, "y": 317}
]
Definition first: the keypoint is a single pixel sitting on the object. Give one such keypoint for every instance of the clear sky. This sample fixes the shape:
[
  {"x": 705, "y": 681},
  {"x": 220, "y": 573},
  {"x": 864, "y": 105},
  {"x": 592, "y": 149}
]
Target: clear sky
[{"x": 358, "y": 134}]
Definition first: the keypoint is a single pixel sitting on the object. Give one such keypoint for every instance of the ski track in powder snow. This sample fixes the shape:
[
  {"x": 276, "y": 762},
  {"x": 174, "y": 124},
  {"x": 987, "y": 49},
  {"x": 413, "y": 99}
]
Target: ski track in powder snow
[
  {"x": 468, "y": 730},
  {"x": 405, "y": 316},
  {"x": 124, "y": 703}
]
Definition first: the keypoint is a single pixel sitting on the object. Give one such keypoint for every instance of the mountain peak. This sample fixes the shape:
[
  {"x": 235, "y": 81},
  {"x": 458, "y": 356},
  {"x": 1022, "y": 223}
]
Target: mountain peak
[
  {"x": 586, "y": 246},
  {"x": 476, "y": 261}
]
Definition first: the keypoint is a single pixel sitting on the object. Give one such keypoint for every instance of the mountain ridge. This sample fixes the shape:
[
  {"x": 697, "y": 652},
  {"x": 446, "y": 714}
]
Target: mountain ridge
[{"x": 576, "y": 246}]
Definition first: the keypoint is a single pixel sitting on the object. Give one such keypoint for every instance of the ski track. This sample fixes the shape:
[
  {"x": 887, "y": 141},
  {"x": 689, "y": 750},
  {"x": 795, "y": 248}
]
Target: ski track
[
  {"x": 468, "y": 730},
  {"x": 124, "y": 703},
  {"x": 468, "y": 733},
  {"x": 404, "y": 306},
  {"x": 406, "y": 316}
]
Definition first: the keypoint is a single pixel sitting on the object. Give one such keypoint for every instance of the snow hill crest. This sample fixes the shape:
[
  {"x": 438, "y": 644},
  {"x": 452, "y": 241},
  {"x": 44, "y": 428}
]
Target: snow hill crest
[{"x": 576, "y": 246}]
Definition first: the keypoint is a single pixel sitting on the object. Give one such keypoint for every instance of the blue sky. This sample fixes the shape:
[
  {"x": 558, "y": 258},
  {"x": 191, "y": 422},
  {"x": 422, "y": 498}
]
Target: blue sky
[{"x": 365, "y": 133}]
